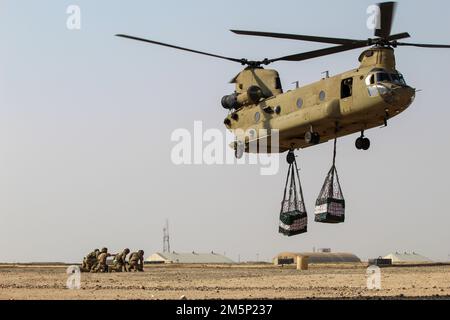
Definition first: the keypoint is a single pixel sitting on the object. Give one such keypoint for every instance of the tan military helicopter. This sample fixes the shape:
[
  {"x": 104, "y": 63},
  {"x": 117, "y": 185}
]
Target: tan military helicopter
[{"x": 336, "y": 106}]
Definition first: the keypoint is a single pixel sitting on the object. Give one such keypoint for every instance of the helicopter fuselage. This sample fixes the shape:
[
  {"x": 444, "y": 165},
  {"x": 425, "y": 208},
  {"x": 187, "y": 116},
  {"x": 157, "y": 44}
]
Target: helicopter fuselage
[{"x": 335, "y": 106}]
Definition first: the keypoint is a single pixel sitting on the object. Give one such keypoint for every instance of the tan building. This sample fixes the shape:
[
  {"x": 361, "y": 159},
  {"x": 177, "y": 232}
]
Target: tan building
[
  {"x": 407, "y": 257},
  {"x": 188, "y": 258},
  {"x": 315, "y": 257}
]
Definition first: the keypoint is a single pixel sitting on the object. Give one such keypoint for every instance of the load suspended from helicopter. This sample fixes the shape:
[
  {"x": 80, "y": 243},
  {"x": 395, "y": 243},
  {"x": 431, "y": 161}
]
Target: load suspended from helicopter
[
  {"x": 330, "y": 205},
  {"x": 293, "y": 215}
]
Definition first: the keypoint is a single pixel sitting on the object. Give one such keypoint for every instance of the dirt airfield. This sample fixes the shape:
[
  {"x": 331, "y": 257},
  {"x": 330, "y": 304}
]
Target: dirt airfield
[{"x": 226, "y": 282}]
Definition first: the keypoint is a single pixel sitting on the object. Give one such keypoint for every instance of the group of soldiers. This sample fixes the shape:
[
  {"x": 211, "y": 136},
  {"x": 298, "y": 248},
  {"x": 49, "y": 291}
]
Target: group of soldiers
[{"x": 96, "y": 261}]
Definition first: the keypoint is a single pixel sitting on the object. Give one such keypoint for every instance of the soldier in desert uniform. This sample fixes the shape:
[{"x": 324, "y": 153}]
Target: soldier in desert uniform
[
  {"x": 101, "y": 265},
  {"x": 136, "y": 262},
  {"x": 120, "y": 263},
  {"x": 90, "y": 261}
]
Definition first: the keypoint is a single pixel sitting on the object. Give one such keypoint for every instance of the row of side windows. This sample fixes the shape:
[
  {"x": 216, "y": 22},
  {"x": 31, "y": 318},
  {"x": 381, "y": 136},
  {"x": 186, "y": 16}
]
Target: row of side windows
[{"x": 346, "y": 91}]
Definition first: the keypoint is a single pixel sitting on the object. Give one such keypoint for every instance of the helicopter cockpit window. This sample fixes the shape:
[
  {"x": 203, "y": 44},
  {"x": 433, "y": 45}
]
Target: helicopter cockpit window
[
  {"x": 370, "y": 79},
  {"x": 397, "y": 78},
  {"x": 383, "y": 77},
  {"x": 374, "y": 81},
  {"x": 278, "y": 84}
]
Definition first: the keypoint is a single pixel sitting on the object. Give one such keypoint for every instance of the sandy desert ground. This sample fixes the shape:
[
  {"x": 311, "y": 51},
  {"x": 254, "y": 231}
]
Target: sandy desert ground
[{"x": 226, "y": 282}]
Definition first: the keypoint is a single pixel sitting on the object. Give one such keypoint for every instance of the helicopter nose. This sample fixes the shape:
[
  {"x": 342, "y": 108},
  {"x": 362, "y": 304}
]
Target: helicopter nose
[{"x": 403, "y": 97}]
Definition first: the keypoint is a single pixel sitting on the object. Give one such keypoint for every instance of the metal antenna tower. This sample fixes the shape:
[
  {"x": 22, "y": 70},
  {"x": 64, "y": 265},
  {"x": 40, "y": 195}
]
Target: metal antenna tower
[{"x": 166, "y": 238}]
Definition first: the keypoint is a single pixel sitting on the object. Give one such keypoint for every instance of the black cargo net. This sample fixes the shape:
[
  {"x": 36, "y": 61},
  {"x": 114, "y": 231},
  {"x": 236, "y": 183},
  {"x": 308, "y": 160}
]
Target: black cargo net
[
  {"x": 330, "y": 205},
  {"x": 293, "y": 216}
]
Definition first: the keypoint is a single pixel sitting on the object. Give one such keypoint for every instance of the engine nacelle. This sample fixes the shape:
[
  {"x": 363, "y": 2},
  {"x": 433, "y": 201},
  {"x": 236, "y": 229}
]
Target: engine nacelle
[
  {"x": 233, "y": 101},
  {"x": 230, "y": 101}
]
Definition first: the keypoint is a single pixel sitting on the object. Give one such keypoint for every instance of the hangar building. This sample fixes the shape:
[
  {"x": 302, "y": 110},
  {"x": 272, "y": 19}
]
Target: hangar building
[
  {"x": 193, "y": 257},
  {"x": 316, "y": 257},
  {"x": 407, "y": 258}
]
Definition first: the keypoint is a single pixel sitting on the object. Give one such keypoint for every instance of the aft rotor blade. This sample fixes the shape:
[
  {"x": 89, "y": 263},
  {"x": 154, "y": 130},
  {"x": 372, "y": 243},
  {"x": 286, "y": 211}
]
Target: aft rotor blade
[
  {"x": 422, "y": 45},
  {"x": 242, "y": 61},
  {"x": 387, "y": 11},
  {"x": 296, "y": 37},
  {"x": 320, "y": 53},
  {"x": 342, "y": 41}
]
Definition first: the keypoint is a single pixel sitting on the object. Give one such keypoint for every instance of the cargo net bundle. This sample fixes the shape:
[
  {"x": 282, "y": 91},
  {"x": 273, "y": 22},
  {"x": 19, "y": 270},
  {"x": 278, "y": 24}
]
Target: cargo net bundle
[
  {"x": 330, "y": 205},
  {"x": 293, "y": 216}
]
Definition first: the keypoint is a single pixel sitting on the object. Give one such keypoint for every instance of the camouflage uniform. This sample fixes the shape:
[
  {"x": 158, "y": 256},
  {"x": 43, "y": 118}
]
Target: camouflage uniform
[
  {"x": 136, "y": 261},
  {"x": 90, "y": 261},
  {"x": 120, "y": 263},
  {"x": 101, "y": 265}
]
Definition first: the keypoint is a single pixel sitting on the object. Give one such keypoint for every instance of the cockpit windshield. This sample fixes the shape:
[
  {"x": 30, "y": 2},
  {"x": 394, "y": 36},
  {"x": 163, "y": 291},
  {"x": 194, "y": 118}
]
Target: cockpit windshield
[
  {"x": 377, "y": 79},
  {"x": 384, "y": 76},
  {"x": 398, "y": 79}
]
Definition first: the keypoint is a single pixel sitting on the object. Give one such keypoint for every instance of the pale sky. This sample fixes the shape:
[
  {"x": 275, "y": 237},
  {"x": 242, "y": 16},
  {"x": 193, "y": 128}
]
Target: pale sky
[{"x": 86, "y": 119}]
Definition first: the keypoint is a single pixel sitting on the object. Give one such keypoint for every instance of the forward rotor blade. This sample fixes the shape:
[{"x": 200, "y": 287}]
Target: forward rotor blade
[
  {"x": 399, "y": 36},
  {"x": 387, "y": 11},
  {"x": 320, "y": 53},
  {"x": 421, "y": 45},
  {"x": 296, "y": 37},
  {"x": 242, "y": 61}
]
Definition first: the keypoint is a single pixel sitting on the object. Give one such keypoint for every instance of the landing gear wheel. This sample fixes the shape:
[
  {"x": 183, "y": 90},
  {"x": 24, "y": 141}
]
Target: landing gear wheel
[
  {"x": 365, "y": 144},
  {"x": 239, "y": 149},
  {"x": 312, "y": 137},
  {"x": 362, "y": 143},
  {"x": 359, "y": 143}
]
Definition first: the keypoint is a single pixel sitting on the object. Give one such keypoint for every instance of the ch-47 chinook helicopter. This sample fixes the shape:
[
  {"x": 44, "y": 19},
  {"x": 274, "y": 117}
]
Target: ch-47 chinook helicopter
[{"x": 336, "y": 106}]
